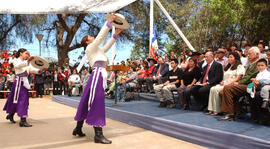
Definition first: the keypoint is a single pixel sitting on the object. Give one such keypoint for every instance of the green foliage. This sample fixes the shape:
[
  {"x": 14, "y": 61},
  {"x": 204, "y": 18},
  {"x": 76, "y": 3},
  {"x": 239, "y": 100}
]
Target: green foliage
[{"x": 206, "y": 23}]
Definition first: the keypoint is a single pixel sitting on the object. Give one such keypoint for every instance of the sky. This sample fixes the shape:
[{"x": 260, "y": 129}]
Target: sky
[{"x": 123, "y": 51}]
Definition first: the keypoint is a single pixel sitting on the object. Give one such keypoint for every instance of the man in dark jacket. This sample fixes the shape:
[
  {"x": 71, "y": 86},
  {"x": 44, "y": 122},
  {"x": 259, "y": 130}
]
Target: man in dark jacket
[
  {"x": 39, "y": 84},
  {"x": 212, "y": 75},
  {"x": 160, "y": 75}
]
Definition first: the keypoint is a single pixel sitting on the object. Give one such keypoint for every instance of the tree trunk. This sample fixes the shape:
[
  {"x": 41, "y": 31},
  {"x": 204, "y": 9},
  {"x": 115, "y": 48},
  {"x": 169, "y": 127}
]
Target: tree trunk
[{"x": 62, "y": 57}]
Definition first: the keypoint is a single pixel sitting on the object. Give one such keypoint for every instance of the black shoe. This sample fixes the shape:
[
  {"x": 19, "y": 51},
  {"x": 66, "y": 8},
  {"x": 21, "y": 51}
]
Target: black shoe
[
  {"x": 227, "y": 117},
  {"x": 203, "y": 108},
  {"x": 265, "y": 105},
  {"x": 78, "y": 129},
  {"x": 10, "y": 117},
  {"x": 170, "y": 105},
  {"x": 162, "y": 105},
  {"x": 99, "y": 138},
  {"x": 23, "y": 123},
  {"x": 185, "y": 107},
  {"x": 78, "y": 132}
]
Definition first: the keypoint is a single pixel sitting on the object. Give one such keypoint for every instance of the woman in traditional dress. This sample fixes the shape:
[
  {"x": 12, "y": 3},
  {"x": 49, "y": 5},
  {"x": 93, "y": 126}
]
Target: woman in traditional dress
[
  {"x": 92, "y": 104},
  {"x": 18, "y": 99}
]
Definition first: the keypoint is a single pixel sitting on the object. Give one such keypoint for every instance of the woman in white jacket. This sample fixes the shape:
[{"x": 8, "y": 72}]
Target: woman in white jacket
[
  {"x": 92, "y": 104},
  {"x": 18, "y": 99}
]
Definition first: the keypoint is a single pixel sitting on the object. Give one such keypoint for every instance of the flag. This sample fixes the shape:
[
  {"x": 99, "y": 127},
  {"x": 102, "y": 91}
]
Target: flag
[{"x": 154, "y": 45}]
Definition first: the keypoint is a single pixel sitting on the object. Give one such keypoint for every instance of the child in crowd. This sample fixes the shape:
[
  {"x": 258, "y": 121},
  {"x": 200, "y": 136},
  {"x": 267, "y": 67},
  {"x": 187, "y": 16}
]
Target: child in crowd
[{"x": 262, "y": 80}]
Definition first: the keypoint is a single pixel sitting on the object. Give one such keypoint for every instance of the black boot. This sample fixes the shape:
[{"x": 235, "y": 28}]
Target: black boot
[
  {"x": 23, "y": 123},
  {"x": 10, "y": 117},
  {"x": 78, "y": 129},
  {"x": 99, "y": 138}
]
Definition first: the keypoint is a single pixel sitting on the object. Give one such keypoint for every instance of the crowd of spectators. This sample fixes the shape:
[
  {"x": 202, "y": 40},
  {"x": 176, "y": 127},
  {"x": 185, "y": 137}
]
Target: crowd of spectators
[{"x": 220, "y": 81}]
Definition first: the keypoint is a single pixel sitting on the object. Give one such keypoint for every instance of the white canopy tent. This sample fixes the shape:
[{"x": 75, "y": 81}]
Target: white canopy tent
[
  {"x": 61, "y": 6},
  {"x": 80, "y": 6}
]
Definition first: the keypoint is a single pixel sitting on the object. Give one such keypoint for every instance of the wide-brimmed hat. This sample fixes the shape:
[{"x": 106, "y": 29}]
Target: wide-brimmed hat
[
  {"x": 39, "y": 63},
  {"x": 150, "y": 58},
  {"x": 119, "y": 22},
  {"x": 196, "y": 53},
  {"x": 220, "y": 50}
]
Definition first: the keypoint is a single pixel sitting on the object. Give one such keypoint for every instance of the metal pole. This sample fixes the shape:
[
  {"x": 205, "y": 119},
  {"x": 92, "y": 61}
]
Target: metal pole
[
  {"x": 39, "y": 37},
  {"x": 175, "y": 26},
  {"x": 40, "y": 48},
  {"x": 151, "y": 24}
]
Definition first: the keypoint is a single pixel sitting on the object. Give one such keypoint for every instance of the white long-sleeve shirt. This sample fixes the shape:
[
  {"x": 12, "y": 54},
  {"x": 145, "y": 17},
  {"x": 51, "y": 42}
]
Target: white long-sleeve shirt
[
  {"x": 93, "y": 51},
  {"x": 21, "y": 66},
  {"x": 74, "y": 78}
]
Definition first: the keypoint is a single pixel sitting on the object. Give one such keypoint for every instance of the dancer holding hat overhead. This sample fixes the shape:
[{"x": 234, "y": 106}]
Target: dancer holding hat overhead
[
  {"x": 18, "y": 99},
  {"x": 92, "y": 104}
]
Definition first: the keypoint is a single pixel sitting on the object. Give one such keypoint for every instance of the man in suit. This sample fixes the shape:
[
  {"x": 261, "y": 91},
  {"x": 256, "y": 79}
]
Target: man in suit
[
  {"x": 160, "y": 74},
  {"x": 212, "y": 75}
]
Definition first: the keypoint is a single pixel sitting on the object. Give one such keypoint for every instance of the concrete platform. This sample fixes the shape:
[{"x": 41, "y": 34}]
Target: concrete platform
[{"x": 53, "y": 124}]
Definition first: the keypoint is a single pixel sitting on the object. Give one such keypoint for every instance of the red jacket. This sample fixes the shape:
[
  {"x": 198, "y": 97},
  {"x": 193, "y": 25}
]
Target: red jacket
[{"x": 151, "y": 71}]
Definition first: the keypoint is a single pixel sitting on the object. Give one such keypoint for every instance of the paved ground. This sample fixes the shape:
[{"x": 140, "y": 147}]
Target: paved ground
[{"x": 53, "y": 125}]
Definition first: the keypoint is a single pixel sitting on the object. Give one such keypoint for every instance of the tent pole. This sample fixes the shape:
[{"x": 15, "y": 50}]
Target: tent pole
[
  {"x": 151, "y": 24},
  {"x": 175, "y": 26}
]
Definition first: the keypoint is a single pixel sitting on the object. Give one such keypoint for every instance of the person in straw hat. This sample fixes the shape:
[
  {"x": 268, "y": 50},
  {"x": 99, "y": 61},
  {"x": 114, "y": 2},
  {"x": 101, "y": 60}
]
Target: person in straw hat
[
  {"x": 92, "y": 104},
  {"x": 18, "y": 99}
]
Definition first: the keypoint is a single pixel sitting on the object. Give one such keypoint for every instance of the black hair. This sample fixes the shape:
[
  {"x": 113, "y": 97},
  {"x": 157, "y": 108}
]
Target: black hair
[
  {"x": 21, "y": 50},
  {"x": 194, "y": 60},
  {"x": 175, "y": 60},
  {"x": 247, "y": 45},
  {"x": 237, "y": 61},
  {"x": 262, "y": 60}
]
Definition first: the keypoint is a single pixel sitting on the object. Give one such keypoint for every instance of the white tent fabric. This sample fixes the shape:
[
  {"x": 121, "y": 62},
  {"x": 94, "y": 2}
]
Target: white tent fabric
[{"x": 61, "y": 6}]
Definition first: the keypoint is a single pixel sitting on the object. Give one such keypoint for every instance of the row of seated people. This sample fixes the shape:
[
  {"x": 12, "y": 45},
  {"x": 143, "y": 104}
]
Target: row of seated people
[{"x": 215, "y": 89}]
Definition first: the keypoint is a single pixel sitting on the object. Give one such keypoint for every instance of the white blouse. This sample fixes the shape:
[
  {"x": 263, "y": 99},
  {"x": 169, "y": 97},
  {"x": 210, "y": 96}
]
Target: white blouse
[
  {"x": 230, "y": 75},
  {"x": 21, "y": 66},
  {"x": 94, "y": 52}
]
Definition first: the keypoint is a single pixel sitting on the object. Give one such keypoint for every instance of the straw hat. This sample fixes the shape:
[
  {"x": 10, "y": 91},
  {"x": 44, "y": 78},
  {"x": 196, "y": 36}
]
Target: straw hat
[
  {"x": 119, "y": 22},
  {"x": 39, "y": 63}
]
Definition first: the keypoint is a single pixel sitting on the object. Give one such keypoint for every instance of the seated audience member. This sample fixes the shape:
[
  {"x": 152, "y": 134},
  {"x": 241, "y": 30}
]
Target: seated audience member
[
  {"x": 262, "y": 50},
  {"x": 238, "y": 89},
  {"x": 212, "y": 75},
  {"x": 110, "y": 91},
  {"x": 262, "y": 79},
  {"x": 233, "y": 73},
  {"x": 149, "y": 75},
  {"x": 10, "y": 79},
  {"x": 160, "y": 75},
  {"x": 243, "y": 60},
  {"x": 173, "y": 56},
  {"x": 183, "y": 62},
  {"x": 141, "y": 74},
  {"x": 5, "y": 63},
  {"x": 189, "y": 78},
  {"x": 262, "y": 82},
  {"x": 74, "y": 81},
  {"x": 163, "y": 91},
  {"x": 221, "y": 58},
  {"x": 85, "y": 78},
  {"x": 233, "y": 47},
  {"x": 128, "y": 83},
  {"x": 120, "y": 85},
  {"x": 4, "y": 54}
]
